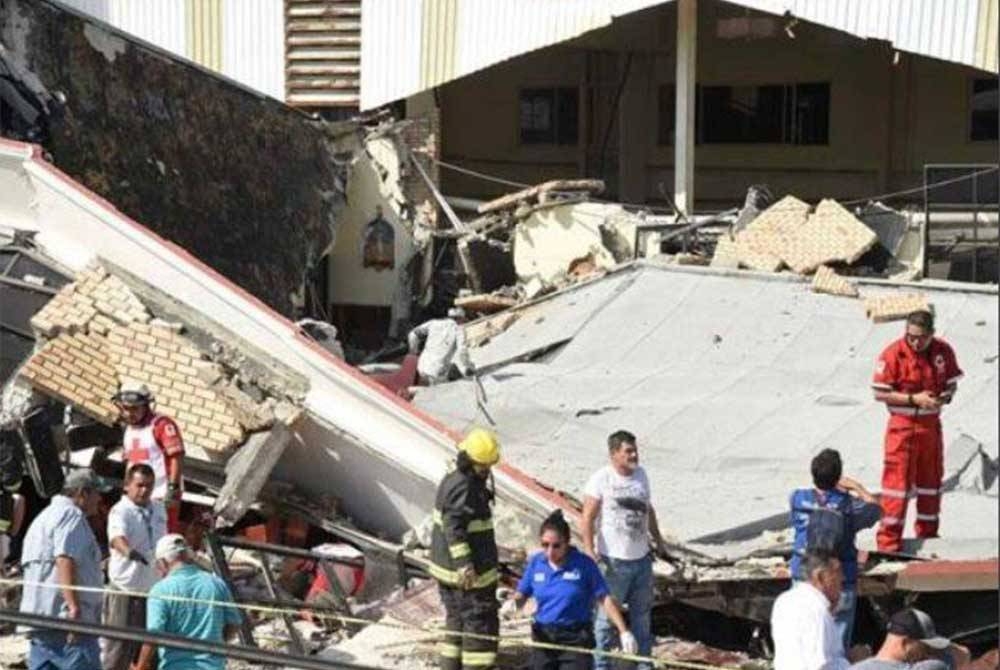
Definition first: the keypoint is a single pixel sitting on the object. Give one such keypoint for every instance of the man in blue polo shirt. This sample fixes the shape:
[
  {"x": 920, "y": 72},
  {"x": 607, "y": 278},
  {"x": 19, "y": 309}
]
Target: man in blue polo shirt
[
  {"x": 565, "y": 584},
  {"x": 167, "y": 611},
  {"x": 858, "y": 509}
]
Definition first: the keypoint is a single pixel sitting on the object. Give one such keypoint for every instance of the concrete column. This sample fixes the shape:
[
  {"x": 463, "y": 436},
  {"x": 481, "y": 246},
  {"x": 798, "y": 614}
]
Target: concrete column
[{"x": 687, "y": 47}]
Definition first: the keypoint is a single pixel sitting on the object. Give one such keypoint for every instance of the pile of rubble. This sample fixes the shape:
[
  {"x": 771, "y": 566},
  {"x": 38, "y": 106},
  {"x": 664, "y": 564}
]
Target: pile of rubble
[
  {"x": 546, "y": 237},
  {"x": 96, "y": 332},
  {"x": 541, "y": 239}
]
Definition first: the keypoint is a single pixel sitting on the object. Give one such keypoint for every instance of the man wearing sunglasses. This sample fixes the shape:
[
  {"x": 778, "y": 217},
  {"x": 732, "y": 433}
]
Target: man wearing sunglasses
[{"x": 915, "y": 377}]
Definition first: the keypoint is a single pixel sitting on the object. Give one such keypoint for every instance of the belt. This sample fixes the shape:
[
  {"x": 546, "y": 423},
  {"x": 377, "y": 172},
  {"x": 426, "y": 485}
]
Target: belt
[
  {"x": 912, "y": 411},
  {"x": 578, "y": 633}
]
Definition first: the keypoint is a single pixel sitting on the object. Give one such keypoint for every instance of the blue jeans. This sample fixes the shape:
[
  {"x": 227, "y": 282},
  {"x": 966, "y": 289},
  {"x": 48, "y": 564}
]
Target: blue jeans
[
  {"x": 631, "y": 584},
  {"x": 843, "y": 615},
  {"x": 50, "y": 652}
]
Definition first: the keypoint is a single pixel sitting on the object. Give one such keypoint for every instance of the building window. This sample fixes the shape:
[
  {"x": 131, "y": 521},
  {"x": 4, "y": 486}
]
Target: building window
[
  {"x": 984, "y": 105},
  {"x": 549, "y": 115},
  {"x": 770, "y": 114}
]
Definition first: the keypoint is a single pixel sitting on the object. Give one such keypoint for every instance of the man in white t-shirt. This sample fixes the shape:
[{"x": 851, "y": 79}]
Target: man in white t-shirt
[
  {"x": 616, "y": 503},
  {"x": 135, "y": 524}
]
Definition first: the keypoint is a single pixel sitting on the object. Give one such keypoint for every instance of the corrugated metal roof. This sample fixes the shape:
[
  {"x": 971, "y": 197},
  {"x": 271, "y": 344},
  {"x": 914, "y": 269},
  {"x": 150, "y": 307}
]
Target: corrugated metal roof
[
  {"x": 952, "y": 30},
  {"x": 242, "y": 39},
  {"x": 323, "y": 39},
  {"x": 447, "y": 39},
  {"x": 253, "y": 45},
  {"x": 162, "y": 23},
  {"x": 204, "y": 29},
  {"x": 732, "y": 383},
  {"x": 415, "y": 45}
]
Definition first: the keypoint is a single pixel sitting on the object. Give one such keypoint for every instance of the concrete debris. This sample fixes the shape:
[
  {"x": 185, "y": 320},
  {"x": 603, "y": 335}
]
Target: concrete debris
[
  {"x": 542, "y": 192},
  {"x": 787, "y": 234},
  {"x": 831, "y": 234},
  {"x": 895, "y": 306},
  {"x": 550, "y": 242},
  {"x": 485, "y": 303},
  {"x": 247, "y": 472},
  {"x": 827, "y": 281},
  {"x": 685, "y": 651}
]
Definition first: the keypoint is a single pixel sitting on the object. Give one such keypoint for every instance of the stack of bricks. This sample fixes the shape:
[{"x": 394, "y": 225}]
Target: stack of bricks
[
  {"x": 759, "y": 245},
  {"x": 827, "y": 281},
  {"x": 181, "y": 381},
  {"x": 831, "y": 234},
  {"x": 95, "y": 301},
  {"x": 74, "y": 368},
  {"x": 99, "y": 333},
  {"x": 786, "y": 234},
  {"x": 895, "y": 306}
]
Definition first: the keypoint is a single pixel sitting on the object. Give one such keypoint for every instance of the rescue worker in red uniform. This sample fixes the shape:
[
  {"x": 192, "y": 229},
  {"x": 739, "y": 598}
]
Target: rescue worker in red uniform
[
  {"x": 153, "y": 439},
  {"x": 464, "y": 555},
  {"x": 915, "y": 377}
]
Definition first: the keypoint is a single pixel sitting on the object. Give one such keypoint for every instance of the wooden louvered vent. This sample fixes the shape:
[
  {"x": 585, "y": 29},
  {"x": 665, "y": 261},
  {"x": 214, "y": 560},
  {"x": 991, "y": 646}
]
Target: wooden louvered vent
[{"x": 322, "y": 53}]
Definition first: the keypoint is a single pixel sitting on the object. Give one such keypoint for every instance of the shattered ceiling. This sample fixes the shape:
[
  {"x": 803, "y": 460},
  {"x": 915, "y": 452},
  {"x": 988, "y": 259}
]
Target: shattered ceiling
[{"x": 732, "y": 384}]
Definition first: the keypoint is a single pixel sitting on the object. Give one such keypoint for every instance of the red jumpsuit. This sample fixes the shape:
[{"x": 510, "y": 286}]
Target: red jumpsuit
[{"x": 914, "y": 451}]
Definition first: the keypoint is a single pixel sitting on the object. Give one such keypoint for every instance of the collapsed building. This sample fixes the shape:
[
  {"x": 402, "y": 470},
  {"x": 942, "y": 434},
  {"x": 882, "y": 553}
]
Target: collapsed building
[{"x": 581, "y": 338}]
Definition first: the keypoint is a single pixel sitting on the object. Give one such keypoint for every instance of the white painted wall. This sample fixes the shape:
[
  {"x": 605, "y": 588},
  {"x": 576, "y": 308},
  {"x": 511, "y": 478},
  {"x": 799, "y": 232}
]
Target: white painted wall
[{"x": 374, "y": 180}]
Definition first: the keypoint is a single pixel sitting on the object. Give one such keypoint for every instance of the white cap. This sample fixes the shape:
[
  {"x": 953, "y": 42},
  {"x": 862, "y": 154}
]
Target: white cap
[{"x": 170, "y": 546}]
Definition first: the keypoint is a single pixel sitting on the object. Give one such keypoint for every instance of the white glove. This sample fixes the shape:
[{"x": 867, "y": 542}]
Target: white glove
[
  {"x": 508, "y": 609},
  {"x": 629, "y": 644}
]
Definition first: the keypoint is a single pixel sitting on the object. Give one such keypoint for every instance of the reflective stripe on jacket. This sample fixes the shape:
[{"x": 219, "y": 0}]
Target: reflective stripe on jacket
[{"x": 463, "y": 530}]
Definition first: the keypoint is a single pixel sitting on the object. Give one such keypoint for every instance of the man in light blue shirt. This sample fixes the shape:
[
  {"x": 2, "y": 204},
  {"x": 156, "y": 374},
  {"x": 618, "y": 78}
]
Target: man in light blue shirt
[
  {"x": 60, "y": 552},
  {"x": 166, "y": 611}
]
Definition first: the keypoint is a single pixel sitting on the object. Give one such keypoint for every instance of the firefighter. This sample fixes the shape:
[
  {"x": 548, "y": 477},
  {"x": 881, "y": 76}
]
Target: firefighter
[
  {"x": 153, "y": 439},
  {"x": 464, "y": 554},
  {"x": 915, "y": 377}
]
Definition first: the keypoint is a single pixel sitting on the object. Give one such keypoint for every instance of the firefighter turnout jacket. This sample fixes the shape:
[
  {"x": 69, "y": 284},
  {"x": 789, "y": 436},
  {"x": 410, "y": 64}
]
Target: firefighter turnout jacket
[{"x": 463, "y": 531}]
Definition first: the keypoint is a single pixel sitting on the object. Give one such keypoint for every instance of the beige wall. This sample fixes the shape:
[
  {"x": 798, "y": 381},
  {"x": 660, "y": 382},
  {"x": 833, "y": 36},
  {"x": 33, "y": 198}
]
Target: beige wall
[
  {"x": 885, "y": 121},
  {"x": 350, "y": 282}
]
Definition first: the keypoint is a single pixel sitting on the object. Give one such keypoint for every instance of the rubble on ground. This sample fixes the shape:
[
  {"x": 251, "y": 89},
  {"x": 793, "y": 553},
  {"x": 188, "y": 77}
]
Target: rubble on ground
[
  {"x": 827, "y": 281},
  {"x": 550, "y": 236},
  {"x": 895, "y": 306}
]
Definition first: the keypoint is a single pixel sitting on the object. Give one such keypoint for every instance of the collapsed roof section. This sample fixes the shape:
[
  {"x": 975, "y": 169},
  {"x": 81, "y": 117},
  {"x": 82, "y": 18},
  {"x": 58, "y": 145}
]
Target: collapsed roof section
[
  {"x": 97, "y": 333},
  {"x": 376, "y": 453},
  {"x": 732, "y": 381},
  {"x": 246, "y": 184}
]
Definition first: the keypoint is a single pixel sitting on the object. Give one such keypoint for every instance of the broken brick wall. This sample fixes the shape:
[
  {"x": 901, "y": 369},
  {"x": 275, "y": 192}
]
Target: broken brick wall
[
  {"x": 246, "y": 184},
  {"x": 95, "y": 333}
]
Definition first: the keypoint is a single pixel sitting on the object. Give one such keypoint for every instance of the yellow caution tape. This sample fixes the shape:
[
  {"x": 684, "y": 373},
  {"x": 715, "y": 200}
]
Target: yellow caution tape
[{"x": 269, "y": 609}]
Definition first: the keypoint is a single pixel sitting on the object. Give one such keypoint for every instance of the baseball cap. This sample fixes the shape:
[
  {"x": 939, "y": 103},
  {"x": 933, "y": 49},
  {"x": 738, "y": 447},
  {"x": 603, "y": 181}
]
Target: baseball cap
[
  {"x": 917, "y": 625},
  {"x": 85, "y": 478},
  {"x": 169, "y": 546}
]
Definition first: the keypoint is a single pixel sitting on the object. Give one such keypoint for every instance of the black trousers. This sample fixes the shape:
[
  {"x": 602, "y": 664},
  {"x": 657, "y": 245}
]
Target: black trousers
[
  {"x": 473, "y": 611},
  {"x": 551, "y": 659}
]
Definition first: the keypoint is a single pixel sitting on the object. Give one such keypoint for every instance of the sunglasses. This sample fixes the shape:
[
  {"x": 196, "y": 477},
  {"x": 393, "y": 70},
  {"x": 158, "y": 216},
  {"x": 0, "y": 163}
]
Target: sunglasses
[{"x": 552, "y": 545}]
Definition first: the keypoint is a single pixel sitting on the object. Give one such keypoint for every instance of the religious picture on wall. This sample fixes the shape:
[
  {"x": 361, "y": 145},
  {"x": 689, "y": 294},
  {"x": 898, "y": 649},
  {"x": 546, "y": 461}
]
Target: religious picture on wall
[{"x": 378, "y": 243}]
